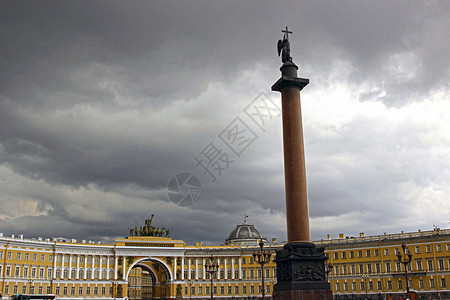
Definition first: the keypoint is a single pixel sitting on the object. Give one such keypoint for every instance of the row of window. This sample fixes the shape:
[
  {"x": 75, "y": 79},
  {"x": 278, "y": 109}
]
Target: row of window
[
  {"x": 199, "y": 290},
  {"x": 26, "y": 256},
  {"x": 251, "y": 274},
  {"x": 58, "y": 290},
  {"x": 59, "y": 257},
  {"x": 389, "y": 285},
  {"x": 221, "y": 260},
  {"x": 376, "y": 252},
  {"x": 83, "y": 274},
  {"x": 398, "y": 267}
]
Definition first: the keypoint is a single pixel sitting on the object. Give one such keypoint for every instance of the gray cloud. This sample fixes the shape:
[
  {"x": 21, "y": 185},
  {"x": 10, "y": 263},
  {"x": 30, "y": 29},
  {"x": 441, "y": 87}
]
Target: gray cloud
[{"x": 101, "y": 103}]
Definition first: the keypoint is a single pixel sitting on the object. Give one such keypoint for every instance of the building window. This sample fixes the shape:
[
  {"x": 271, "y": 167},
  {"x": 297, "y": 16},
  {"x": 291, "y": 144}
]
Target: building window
[
  {"x": 35, "y": 257},
  {"x": 252, "y": 289},
  {"x": 428, "y": 247},
  {"x": 9, "y": 255},
  {"x": 371, "y": 285},
  {"x": 15, "y": 289},
  {"x": 8, "y": 271},
  {"x": 41, "y": 273},
  {"x": 338, "y": 287},
  {"x": 438, "y": 248},
  {"x": 243, "y": 260},
  {"x": 80, "y": 290},
  {"x": 24, "y": 289},
  {"x": 222, "y": 290},
  {"x": 398, "y": 266},
  {"x": 353, "y": 269},
  {"x": 49, "y": 290},
  {"x": 376, "y": 252},
  {"x": 441, "y": 264},
  {"x": 448, "y": 249},
  {"x": 25, "y": 273},
  {"x": 88, "y": 274},
  {"x": 57, "y": 290},
  {"x": 388, "y": 267},
  {"x": 207, "y": 290},
  {"x": 1, "y": 254},
  {"x": 336, "y": 255},
  {"x": 400, "y": 284},
  {"x": 377, "y": 268},
  {"x": 42, "y": 257},
  {"x": 65, "y": 290},
  {"x": 367, "y": 253},
  {"x": 369, "y": 268},
  {"x": 443, "y": 284},
  {"x": 346, "y": 286},
  {"x": 389, "y": 285},
  {"x": 361, "y": 269},
  {"x": 66, "y": 273},
  {"x": 417, "y": 249},
  {"x": 17, "y": 273},
  {"x": 352, "y": 255},
  {"x": 40, "y": 289},
  {"x": 96, "y": 291},
  {"x": 432, "y": 283},
  {"x": 229, "y": 290},
  {"x": 27, "y": 256},
  {"x": 236, "y": 290},
  {"x": 430, "y": 265},
  {"x": 344, "y": 269},
  {"x": 88, "y": 291},
  {"x": 229, "y": 273},
  {"x": 354, "y": 286},
  {"x": 386, "y": 252},
  {"x": 344, "y": 255},
  {"x": 18, "y": 257},
  {"x": 410, "y": 284},
  {"x": 6, "y": 289},
  {"x": 419, "y": 265},
  {"x": 421, "y": 286},
  {"x": 336, "y": 269},
  {"x": 73, "y": 273},
  {"x": 244, "y": 289},
  {"x": 33, "y": 272},
  {"x": 379, "y": 285},
  {"x": 359, "y": 253}
]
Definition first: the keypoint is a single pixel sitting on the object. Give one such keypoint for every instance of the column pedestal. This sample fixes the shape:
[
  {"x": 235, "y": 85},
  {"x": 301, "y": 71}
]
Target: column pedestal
[{"x": 301, "y": 273}]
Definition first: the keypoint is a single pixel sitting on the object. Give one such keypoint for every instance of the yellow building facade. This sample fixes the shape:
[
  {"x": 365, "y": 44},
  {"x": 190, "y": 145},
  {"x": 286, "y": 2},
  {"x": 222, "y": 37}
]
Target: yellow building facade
[{"x": 139, "y": 267}]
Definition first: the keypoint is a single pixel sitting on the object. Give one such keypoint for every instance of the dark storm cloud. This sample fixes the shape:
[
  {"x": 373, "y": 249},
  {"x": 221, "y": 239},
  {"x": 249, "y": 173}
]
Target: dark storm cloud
[{"x": 102, "y": 102}]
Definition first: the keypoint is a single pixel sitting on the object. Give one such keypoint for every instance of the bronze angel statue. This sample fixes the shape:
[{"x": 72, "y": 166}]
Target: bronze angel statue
[{"x": 284, "y": 49}]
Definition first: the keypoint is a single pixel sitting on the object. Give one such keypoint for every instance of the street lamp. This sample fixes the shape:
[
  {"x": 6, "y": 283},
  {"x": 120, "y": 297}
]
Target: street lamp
[
  {"x": 328, "y": 269},
  {"x": 262, "y": 257},
  {"x": 211, "y": 268},
  {"x": 365, "y": 277},
  {"x": 190, "y": 282},
  {"x": 407, "y": 256},
  {"x": 30, "y": 281}
]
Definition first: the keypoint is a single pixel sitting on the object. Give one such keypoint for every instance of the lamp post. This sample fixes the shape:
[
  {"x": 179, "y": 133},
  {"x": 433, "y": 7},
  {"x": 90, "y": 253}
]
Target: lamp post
[
  {"x": 262, "y": 257},
  {"x": 407, "y": 256},
  {"x": 328, "y": 269},
  {"x": 30, "y": 281},
  {"x": 364, "y": 277},
  {"x": 190, "y": 282},
  {"x": 211, "y": 268}
]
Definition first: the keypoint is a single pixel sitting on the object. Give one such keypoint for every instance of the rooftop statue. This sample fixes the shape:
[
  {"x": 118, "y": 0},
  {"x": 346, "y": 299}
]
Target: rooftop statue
[{"x": 284, "y": 47}]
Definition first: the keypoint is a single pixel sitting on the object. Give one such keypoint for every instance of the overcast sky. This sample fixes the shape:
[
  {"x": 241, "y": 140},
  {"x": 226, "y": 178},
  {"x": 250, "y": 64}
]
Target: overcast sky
[{"x": 102, "y": 103}]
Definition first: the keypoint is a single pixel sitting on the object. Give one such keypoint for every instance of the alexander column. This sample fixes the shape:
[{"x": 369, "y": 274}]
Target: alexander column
[{"x": 300, "y": 265}]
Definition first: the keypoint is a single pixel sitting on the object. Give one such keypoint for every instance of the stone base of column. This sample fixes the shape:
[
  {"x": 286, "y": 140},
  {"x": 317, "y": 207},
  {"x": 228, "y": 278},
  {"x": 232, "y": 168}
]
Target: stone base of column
[{"x": 301, "y": 273}]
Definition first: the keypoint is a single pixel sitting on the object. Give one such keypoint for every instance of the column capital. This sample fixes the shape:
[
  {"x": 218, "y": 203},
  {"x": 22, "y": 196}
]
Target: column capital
[{"x": 288, "y": 81}]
